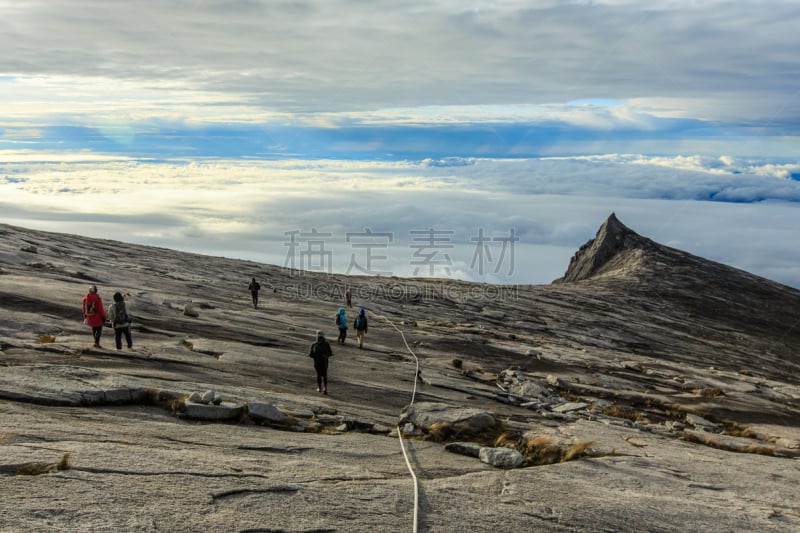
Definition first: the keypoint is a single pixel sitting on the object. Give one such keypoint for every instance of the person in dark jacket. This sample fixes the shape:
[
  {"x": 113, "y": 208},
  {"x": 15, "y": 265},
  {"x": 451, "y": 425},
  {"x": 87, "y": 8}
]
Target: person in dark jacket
[
  {"x": 360, "y": 325},
  {"x": 118, "y": 312},
  {"x": 94, "y": 315},
  {"x": 320, "y": 352},
  {"x": 254, "y": 287}
]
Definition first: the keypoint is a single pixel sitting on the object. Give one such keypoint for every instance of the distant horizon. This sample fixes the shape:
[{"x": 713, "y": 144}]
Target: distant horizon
[{"x": 301, "y": 273}]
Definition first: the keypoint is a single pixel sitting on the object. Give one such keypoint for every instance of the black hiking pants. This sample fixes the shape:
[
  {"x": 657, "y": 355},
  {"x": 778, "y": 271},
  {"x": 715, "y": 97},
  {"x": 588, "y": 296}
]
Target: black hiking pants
[
  {"x": 322, "y": 375},
  {"x": 118, "y": 337}
]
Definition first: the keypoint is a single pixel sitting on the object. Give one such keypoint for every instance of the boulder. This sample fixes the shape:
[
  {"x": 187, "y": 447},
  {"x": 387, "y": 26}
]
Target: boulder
[
  {"x": 425, "y": 414},
  {"x": 223, "y": 411},
  {"x": 266, "y": 412}
]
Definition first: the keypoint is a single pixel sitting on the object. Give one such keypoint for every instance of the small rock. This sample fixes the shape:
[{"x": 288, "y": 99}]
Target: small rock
[
  {"x": 534, "y": 353},
  {"x": 195, "y": 397},
  {"x": 29, "y": 248},
  {"x": 469, "y": 449},
  {"x": 207, "y": 397},
  {"x": 570, "y": 406},
  {"x": 190, "y": 310},
  {"x": 558, "y": 382},
  {"x": 672, "y": 425},
  {"x": 501, "y": 457},
  {"x": 410, "y": 430},
  {"x": 701, "y": 423}
]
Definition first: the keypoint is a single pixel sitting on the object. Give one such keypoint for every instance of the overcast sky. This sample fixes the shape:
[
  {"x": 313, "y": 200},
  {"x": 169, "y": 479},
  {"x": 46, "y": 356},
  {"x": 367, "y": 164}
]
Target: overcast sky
[{"x": 135, "y": 118}]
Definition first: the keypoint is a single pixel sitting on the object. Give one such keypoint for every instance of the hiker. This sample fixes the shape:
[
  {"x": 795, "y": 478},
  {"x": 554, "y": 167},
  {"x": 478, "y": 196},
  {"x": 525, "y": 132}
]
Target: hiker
[
  {"x": 94, "y": 315},
  {"x": 320, "y": 352},
  {"x": 360, "y": 325},
  {"x": 348, "y": 296},
  {"x": 120, "y": 320},
  {"x": 254, "y": 287},
  {"x": 341, "y": 323}
]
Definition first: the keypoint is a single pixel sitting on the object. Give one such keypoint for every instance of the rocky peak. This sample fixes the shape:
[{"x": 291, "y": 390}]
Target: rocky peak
[{"x": 603, "y": 253}]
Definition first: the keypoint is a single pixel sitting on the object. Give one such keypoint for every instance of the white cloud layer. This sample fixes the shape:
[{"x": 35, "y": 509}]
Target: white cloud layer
[{"x": 249, "y": 209}]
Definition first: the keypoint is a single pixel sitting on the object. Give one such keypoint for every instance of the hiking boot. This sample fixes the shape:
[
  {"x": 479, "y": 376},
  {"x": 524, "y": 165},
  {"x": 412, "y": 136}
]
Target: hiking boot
[
  {"x": 325, "y": 390},
  {"x": 319, "y": 390}
]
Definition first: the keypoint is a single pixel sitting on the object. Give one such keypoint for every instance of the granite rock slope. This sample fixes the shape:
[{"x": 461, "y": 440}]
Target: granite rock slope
[{"x": 672, "y": 380}]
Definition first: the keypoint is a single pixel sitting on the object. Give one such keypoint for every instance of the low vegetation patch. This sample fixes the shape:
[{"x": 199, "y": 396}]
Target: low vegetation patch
[
  {"x": 457, "y": 363},
  {"x": 47, "y": 339},
  {"x": 537, "y": 451},
  {"x": 444, "y": 432},
  {"x": 710, "y": 392},
  {"x": 713, "y": 441},
  {"x": 37, "y": 469},
  {"x": 540, "y": 451},
  {"x": 627, "y": 413}
]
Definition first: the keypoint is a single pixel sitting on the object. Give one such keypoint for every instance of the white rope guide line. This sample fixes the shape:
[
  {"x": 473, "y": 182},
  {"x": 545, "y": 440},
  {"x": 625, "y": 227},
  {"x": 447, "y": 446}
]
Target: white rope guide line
[{"x": 400, "y": 432}]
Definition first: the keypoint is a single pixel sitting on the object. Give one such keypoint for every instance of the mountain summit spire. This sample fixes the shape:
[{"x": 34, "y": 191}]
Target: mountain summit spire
[{"x": 596, "y": 256}]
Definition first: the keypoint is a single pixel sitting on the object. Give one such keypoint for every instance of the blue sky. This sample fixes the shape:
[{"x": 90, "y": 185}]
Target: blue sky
[{"x": 132, "y": 120}]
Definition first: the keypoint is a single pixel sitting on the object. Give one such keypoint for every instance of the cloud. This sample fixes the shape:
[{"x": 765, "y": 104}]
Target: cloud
[
  {"x": 717, "y": 63},
  {"x": 250, "y": 209}
]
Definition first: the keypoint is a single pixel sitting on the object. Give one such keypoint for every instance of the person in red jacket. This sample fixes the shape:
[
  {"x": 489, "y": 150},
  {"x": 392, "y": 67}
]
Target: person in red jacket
[{"x": 93, "y": 313}]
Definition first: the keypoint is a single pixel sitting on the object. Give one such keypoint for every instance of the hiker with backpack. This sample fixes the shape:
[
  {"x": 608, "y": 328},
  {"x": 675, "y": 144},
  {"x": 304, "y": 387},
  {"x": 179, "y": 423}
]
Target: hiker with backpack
[
  {"x": 320, "y": 353},
  {"x": 120, "y": 320},
  {"x": 341, "y": 323},
  {"x": 254, "y": 287},
  {"x": 94, "y": 315},
  {"x": 360, "y": 325}
]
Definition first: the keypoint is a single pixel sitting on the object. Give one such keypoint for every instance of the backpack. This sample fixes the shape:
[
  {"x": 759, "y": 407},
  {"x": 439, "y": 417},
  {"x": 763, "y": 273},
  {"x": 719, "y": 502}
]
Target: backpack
[
  {"x": 120, "y": 314},
  {"x": 91, "y": 308},
  {"x": 359, "y": 324},
  {"x": 338, "y": 320}
]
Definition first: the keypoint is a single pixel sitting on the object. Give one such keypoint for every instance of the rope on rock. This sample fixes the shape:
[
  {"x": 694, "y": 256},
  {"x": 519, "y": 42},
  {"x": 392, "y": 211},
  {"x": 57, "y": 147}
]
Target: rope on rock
[{"x": 400, "y": 431}]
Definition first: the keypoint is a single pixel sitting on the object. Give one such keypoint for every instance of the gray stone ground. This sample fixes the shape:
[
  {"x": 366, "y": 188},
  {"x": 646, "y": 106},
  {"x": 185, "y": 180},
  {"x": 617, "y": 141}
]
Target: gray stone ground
[{"x": 675, "y": 368}]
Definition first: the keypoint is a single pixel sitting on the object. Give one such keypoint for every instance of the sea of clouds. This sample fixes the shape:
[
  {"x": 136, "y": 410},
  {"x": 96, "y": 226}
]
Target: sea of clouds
[{"x": 492, "y": 220}]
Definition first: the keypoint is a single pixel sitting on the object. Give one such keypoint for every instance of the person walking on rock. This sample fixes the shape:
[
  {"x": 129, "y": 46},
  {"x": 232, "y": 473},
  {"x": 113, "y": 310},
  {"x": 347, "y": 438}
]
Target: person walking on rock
[
  {"x": 341, "y": 323},
  {"x": 348, "y": 296},
  {"x": 254, "y": 287},
  {"x": 360, "y": 325},
  {"x": 118, "y": 312},
  {"x": 94, "y": 315},
  {"x": 320, "y": 353}
]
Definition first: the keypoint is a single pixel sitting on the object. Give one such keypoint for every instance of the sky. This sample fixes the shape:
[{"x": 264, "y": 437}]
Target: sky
[{"x": 479, "y": 140}]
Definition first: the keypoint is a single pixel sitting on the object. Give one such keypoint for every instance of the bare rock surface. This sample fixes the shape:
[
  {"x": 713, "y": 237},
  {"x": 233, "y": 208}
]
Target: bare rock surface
[{"x": 646, "y": 390}]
